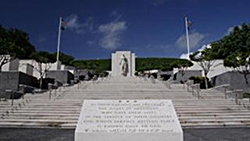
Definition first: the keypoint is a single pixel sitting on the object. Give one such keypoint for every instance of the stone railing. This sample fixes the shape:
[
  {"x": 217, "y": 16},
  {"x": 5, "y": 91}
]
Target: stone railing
[
  {"x": 235, "y": 95},
  {"x": 194, "y": 88},
  {"x": 168, "y": 83},
  {"x": 222, "y": 88}
]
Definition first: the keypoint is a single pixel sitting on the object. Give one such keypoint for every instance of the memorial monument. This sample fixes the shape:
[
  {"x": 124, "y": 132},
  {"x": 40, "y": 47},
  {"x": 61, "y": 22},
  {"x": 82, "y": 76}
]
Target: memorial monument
[
  {"x": 123, "y": 64},
  {"x": 128, "y": 120}
]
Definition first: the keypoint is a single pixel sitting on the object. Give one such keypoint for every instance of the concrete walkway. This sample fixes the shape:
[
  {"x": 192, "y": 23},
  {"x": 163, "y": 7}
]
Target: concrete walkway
[{"x": 205, "y": 134}]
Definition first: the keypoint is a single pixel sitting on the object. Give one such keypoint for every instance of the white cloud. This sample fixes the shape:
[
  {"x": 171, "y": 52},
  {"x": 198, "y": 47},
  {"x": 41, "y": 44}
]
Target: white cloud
[
  {"x": 162, "y": 47},
  {"x": 111, "y": 34},
  {"x": 229, "y": 30},
  {"x": 195, "y": 39},
  {"x": 158, "y": 2},
  {"x": 185, "y": 55},
  {"x": 90, "y": 43},
  {"x": 41, "y": 39},
  {"x": 155, "y": 2},
  {"x": 73, "y": 23}
]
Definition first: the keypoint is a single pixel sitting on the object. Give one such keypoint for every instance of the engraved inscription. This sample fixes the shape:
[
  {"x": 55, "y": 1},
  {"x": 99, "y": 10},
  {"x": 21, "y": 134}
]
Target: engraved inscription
[{"x": 129, "y": 116}]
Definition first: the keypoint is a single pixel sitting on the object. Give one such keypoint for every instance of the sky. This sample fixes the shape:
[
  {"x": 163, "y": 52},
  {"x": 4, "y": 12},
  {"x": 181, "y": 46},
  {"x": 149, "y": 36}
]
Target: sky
[{"x": 149, "y": 28}]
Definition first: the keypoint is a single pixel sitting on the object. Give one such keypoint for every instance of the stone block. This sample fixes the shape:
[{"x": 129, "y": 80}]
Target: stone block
[{"x": 128, "y": 120}]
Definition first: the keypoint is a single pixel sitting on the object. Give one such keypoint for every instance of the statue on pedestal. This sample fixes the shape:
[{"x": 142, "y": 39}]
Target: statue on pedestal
[{"x": 124, "y": 65}]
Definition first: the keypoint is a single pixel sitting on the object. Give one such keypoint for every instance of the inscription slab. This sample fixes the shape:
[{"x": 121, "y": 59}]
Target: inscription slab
[{"x": 128, "y": 120}]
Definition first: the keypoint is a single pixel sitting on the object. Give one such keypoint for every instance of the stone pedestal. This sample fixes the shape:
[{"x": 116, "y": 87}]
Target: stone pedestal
[
  {"x": 117, "y": 60},
  {"x": 128, "y": 120}
]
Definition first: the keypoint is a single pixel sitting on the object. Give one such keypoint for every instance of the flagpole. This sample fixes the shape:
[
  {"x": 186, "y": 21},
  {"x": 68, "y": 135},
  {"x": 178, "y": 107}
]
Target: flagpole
[
  {"x": 187, "y": 36},
  {"x": 59, "y": 39}
]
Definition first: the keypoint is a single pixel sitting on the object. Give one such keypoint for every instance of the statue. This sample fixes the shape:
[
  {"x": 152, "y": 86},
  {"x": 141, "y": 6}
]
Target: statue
[{"x": 124, "y": 65}]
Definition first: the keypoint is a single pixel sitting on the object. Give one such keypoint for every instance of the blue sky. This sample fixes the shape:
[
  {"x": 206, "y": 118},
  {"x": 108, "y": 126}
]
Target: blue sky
[{"x": 149, "y": 28}]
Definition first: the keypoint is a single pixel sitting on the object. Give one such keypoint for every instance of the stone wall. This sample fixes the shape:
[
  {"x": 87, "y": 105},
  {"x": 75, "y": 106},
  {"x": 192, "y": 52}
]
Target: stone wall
[
  {"x": 61, "y": 76},
  {"x": 234, "y": 79},
  {"x": 10, "y": 80}
]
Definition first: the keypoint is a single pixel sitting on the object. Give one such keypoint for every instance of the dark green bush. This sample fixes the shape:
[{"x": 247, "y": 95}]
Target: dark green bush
[
  {"x": 246, "y": 95},
  {"x": 201, "y": 80}
]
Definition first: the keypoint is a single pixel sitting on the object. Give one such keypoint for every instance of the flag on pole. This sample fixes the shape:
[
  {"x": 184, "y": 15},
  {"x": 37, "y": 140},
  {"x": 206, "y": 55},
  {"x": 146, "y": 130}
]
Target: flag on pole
[
  {"x": 63, "y": 24},
  {"x": 189, "y": 23}
]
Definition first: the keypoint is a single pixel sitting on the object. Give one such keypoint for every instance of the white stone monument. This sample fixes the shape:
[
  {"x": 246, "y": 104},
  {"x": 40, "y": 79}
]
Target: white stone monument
[
  {"x": 123, "y": 64},
  {"x": 128, "y": 120}
]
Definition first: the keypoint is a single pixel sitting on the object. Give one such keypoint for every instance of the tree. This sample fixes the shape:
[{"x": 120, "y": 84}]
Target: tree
[
  {"x": 182, "y": 65},
  {"x": 42, "y": 57},
  {"x": 14, "y": 43},
  {"x": 205, "y": 60},
  {"x": 21, "y": 39},
  {"x": 64, "y": 58},
  {"x": 234, "y": 49},
  {"x": 240, "y": 62}
]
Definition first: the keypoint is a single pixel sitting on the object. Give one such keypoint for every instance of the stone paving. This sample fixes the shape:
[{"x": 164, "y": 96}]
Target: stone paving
[{"x": 204, "y": 134}]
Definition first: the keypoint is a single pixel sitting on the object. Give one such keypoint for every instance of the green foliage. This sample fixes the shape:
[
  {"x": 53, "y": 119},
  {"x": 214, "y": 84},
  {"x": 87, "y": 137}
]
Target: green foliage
[
  {"x": 181, "y": 64},
  {"x": 64, "y": 58},
  {"x": 43, "y": 57},
  {"x": 201, "y": 81},
  {"x": 234, "y": 49},
  {"x": 15, "y": 43},
  {"x": 99, "y": 66},
  {"x": 163, "y": 64},
  {"x": 205, "y": 60},
  {"x": 141, "y": 64},
  {"x": 246, "y": 95},
  {"x": 238, "y": 41}
]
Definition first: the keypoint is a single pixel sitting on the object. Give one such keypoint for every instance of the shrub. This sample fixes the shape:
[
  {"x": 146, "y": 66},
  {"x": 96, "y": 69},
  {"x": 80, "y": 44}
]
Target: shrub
[{"x": 201, "y": 80}]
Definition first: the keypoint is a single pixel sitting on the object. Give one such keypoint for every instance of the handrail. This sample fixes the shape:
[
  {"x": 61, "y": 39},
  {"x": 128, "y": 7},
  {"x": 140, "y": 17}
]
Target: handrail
[
  {"x": 152, "y": 80},
  {"x": 220, "y": 86},
  {"x": 196, "y": 87}
]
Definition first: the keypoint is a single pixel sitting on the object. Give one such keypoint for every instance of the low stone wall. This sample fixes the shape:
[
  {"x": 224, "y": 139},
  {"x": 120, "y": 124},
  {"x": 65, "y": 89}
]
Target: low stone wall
[
  {"x": 234, "y": 79},
  {"x": 61, "y": 76},
  {"x": 11, "y": 79}
]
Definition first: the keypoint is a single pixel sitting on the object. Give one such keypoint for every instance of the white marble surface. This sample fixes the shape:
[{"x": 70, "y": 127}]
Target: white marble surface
[{"x": 128, "y": 120}]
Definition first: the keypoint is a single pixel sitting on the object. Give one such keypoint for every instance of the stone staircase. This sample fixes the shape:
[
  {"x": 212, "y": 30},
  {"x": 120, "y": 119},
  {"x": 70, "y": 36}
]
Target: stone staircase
[{"x": 63, "y": 109}]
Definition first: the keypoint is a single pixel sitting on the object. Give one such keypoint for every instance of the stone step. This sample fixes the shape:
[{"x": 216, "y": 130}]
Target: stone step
[
  {"x": 214, "y": 120},
  {"x": 212, "y": 125},
  {"x": 62, "y": 125},
  {"x": 47, "y": 112},
  {"x": 210, "y": 108},
  {"x": 58, "y": 108},
  {"x": 211, "y": 111},
  {"x": 39, "y": 121},
  {"x": 44, "y": 114},
  {"x": 40, "y": 112},
  {"x": 44, "y": 117},
  {"x": 224, "y": 117},
  {"x": 213, "y": 114}
]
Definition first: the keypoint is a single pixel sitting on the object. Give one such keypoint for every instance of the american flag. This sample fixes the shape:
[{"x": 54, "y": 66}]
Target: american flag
[
  {"x": 63, "y": 24},
  {"x": 189, "y": 23}
]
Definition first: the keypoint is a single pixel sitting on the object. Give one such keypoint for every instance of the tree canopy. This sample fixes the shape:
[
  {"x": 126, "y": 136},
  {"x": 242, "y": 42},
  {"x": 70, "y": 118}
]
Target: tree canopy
[
  {"x": 181, "y": 64},
  {"x": 234, "y": 49},
  {"x": 15, "y": 43},
  {"x": 205, "y": 60},
  {"x": 237, "y": 42}
]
